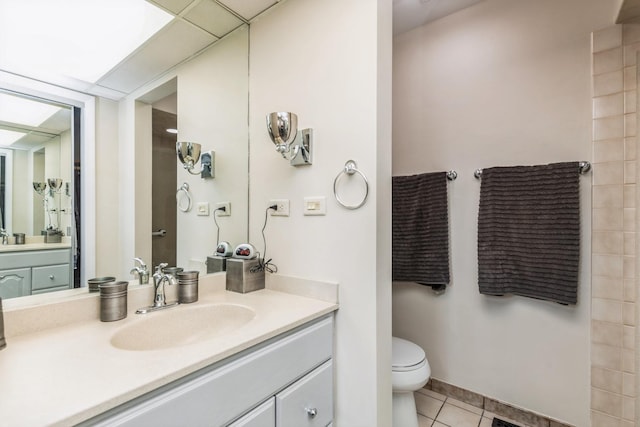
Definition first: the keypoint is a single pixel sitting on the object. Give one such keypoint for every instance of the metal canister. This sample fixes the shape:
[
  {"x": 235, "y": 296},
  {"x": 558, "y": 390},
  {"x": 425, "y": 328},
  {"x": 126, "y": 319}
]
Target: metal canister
[
  {"x": 19, "y": 238},
  {"x": 187, "y": 286},
  {"x": 113, "y": 301}
]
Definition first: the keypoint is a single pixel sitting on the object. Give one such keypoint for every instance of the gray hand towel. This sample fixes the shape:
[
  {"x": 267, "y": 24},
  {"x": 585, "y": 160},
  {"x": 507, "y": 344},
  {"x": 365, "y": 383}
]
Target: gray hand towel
[
  {"x": 529, "y": 232},
  {"x": 420, "y": 229}
]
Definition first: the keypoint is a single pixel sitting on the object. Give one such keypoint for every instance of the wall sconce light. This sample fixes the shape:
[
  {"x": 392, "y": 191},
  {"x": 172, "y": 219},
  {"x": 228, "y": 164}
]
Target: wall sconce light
[
  {"x": 294, "y": 145},
  {"x": 189, "y": 154}
]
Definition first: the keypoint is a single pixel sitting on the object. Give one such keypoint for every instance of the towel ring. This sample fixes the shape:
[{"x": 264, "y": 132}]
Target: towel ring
[
  {"x": 350, "y": 168},
  {"x": 184, "y": 189}
]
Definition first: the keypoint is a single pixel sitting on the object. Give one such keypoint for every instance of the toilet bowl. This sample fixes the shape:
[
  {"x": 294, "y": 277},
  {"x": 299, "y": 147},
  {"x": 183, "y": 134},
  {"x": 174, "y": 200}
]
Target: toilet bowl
[{"x": 410, "y": 372}]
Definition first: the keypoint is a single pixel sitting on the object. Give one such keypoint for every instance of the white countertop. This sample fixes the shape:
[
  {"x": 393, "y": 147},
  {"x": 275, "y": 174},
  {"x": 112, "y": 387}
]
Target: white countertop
[
  {"x": 67, "y": 374},
  {"x": 34, "y": 243}
]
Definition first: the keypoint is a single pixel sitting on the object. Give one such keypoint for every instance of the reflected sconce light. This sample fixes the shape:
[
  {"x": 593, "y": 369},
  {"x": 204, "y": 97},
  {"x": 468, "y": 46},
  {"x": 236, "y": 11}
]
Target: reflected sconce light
[
  {"x": 55, "y": 184},
  {"x": 295, "y": 146},
  {"x": 189, "y": 154}
]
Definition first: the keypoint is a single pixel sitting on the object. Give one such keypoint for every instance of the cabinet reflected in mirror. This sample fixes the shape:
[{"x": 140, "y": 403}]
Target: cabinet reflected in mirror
[{"x": 38, "y": 181}]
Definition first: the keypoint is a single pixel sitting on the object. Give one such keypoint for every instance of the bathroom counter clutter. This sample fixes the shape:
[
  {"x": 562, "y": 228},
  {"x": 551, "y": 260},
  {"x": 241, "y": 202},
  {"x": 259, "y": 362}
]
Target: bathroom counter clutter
[{"x": 70, "y": 373}]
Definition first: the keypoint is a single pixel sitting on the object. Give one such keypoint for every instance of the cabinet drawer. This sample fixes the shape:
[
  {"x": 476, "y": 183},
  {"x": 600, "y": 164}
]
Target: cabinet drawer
[
  {"x": 309, "y": 401},
  {"x": 262, "y": 416},
  {"x": 35, "y": 258},
  {"x": 50, "y": 276}
]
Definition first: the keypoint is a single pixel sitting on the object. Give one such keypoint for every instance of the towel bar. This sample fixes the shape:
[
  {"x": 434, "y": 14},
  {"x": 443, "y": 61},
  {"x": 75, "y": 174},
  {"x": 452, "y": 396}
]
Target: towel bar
[{"x": 584, "y": 168}]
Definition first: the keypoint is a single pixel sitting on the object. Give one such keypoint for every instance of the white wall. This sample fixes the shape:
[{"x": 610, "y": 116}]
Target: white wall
[
  {"x": 107, "y": 184},
  {"x": 327, "y": 62},
  {"x": 212, "y": 110},
  {"x": 502, "y": 83}
]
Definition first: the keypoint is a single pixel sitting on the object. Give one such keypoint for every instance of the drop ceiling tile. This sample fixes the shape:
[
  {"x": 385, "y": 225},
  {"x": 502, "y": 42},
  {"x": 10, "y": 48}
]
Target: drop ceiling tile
[
  {"x": 172, "y": 45},
  {"x": 213, "y": 18},
  {"x": 248, "y": 9},
  {"x": 175, "y": 6}
]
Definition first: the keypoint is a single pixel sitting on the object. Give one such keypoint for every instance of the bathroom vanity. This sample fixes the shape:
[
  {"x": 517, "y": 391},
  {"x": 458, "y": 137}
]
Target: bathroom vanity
[
  {"x": 34, "y": 268},
  {"x": 271, "y": 367}
]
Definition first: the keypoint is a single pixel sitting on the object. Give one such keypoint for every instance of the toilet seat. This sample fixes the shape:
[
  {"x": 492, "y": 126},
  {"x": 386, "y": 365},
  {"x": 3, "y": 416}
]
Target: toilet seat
[{"x": 406, "y": 356}]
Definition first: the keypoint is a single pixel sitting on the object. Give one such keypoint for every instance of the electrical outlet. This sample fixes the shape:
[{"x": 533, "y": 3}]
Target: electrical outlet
[
  {"x": 226, "y": 211},
  {"x": 282, "y": 207}
]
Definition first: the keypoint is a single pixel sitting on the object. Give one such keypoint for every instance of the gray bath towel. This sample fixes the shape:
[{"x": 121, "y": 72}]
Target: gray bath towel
[
  {"x": 529, "y": 232},
  {"x": 420, "y": 229}
]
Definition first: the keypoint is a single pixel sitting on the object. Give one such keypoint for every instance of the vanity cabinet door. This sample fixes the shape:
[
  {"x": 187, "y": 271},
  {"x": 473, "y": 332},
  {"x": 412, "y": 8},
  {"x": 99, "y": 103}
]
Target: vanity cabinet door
[
  {"x": 309, "y": 401},
  {"x": 262, "y": 416},
  {"x": 15, "y": 283}
]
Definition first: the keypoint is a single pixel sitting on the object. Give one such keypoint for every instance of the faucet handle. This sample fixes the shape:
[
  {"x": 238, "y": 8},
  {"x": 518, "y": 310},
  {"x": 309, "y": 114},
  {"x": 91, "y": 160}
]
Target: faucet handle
[
  {"x": 142, "y": 264},
  {"x": 161, "y": 266}
]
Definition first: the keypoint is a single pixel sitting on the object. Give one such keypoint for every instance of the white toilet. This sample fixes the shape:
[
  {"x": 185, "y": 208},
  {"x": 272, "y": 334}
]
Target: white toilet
[{"x": 410, "y": 372}]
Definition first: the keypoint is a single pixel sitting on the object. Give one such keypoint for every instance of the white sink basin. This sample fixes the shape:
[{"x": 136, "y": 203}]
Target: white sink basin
[{"x": 182, "y": 325}]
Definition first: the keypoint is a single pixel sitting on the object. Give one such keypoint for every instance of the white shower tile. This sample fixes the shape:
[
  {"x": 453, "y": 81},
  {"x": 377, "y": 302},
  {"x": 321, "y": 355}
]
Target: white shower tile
[
  {"x": 606, "y": 379},
  {"x": 608, "y": 105},
  {"x": 629, "y": 77},
  {"x": 608, "y": 83},
  {"x": 608, "y": 60},
  {"x": 608, "y": 196},
  {"x": 609, "y": 38}
]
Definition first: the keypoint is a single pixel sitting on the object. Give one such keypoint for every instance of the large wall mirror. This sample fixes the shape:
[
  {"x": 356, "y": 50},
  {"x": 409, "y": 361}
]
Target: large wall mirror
[
  {"x": 209, "y": 95},
  {"x": 39, "y": 185}
]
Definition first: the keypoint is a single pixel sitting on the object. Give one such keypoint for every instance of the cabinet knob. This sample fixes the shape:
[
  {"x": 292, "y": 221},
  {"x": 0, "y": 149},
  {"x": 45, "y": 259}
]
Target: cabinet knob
[
  {"x": 51, "y": 277},
  {"x": 312, "y": 412}
]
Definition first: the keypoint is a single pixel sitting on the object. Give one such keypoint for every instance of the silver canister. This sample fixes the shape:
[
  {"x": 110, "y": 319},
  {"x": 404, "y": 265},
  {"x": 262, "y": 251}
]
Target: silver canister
[
  {"x": 187, "y": 286},
  {"x": 113, "y": 301},
  {"x": 19, "y": 238},
  {"x": 97, "y": 281},
  {"x": 3, "y": 342}
]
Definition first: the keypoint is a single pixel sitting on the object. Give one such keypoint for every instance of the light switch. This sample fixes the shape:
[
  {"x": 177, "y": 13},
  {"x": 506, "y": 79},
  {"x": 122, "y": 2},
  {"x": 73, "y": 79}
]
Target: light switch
[
  {"x": 315, "y": 206},
  {"x": 203, "y": 209}
]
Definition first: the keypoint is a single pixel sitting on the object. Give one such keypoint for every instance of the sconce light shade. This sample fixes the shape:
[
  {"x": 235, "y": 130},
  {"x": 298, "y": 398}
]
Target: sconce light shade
[
  {"x": 189, "y": 154},
  {"x": 292, "y": 144},
  {"x": 39, "y": 187},
  {"x": 282, "y": 128},
  {"x": 55, "y": 184}
]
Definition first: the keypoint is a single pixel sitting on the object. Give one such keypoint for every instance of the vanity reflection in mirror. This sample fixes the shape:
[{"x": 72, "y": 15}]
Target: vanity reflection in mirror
[{"x": 39, "y": 178}]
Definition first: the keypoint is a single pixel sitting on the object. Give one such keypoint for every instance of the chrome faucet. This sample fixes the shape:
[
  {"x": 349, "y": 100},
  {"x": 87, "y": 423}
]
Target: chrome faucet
[
  {"x": 5, "y": 236},
  {"x": 159, "y": 302},
  {"x": 142, "y": 271}
]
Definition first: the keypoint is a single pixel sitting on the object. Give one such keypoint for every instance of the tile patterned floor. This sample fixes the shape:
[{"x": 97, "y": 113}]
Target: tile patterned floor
[{"x": 437, "y": 410}]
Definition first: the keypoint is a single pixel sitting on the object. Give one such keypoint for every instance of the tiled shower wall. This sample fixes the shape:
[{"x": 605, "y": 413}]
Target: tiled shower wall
[{"x": 613, "y": 310}]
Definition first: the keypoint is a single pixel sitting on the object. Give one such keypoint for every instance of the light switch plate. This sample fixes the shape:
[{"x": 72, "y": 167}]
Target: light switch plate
[
  {"x": 315, "y": 205},
  {"x": 203, "y": 209}
]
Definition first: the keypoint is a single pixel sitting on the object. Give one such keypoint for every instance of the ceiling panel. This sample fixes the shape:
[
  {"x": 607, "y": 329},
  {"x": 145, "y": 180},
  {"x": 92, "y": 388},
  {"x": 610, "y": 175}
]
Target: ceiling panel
[
  {"x": 175, "y": 6},
  {"x": 213, "y": 18},
  {"x": 172, "y": 45},
  {"x": 248, "y": 9}
]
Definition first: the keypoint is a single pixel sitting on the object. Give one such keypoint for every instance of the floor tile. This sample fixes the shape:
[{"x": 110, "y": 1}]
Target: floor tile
[
  {"x": 427, "y": 406},
  {"x": 464, "y": 405},
  {"x": 486, "y": 422},
  {"x": 437, "y": 424},
  {"x": 424, "y": 421},
  {"x": 433, "y": 394},
  {"x": 452, "y": 415}
]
